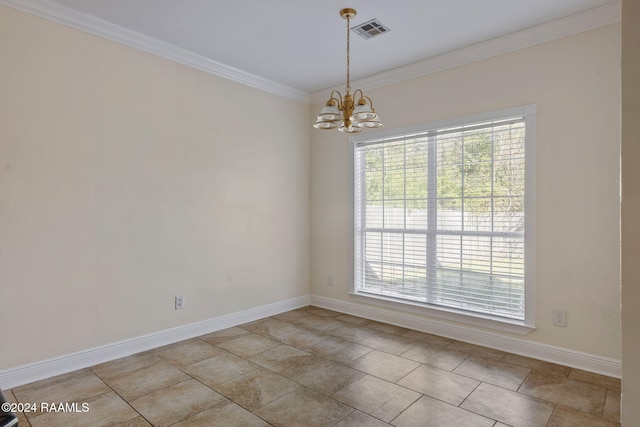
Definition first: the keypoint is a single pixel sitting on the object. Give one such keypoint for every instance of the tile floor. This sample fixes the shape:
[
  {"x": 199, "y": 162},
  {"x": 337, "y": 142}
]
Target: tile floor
[{"x": 315, "y": 367}]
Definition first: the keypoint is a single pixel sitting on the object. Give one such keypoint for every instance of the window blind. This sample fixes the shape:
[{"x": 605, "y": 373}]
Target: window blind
[{"x": 440, "y": 217}]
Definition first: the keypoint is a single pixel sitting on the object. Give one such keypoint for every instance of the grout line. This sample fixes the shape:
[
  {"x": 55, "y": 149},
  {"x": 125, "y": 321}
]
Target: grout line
[{"x": 118, "y": 394}]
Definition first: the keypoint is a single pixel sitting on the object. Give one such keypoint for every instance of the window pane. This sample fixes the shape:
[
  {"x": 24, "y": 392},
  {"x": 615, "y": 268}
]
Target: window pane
[
  {"x": 449, "y": 182},
  {"x": 450, "y": 214},
  {"x": 374, "y": 184},
  {"x": 508, "y": 214},
  {"x": 415, "y": 250},
  {"x": 449, "y": 252},
  {"x": 509, "y": 177},
  {"x": 372, "y": 263},
  {"x": 394, "y": 213},
  {"x": 373, "y": 215},
  {"x": 417, "y": 215}
]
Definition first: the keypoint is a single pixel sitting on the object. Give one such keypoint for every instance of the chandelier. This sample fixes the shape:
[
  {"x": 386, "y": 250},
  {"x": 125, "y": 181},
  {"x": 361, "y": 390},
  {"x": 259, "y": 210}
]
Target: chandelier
[{"x": 342, "y": 112}]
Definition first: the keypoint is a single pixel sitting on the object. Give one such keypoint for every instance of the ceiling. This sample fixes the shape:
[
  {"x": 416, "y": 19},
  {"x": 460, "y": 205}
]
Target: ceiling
[{"x": 301, "y": 44}]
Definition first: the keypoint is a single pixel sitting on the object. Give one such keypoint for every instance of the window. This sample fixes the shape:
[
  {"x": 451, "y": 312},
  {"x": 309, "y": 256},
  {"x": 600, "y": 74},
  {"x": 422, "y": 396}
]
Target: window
[{"x": 443, "y": 213}]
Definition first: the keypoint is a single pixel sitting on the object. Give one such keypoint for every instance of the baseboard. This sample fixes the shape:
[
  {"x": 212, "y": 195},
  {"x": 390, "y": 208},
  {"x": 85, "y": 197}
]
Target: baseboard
[
  {"x": 562, "y": 356},
  {"x": 26, "y": 374}
]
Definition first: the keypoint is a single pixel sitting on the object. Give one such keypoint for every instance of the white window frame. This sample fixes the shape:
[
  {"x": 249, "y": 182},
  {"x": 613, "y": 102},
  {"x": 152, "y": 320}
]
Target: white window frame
[{"x": 528, "y": 112}]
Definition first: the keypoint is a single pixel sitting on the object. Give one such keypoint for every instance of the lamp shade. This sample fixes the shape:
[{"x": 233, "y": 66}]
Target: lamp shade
[
  {"x": 373, "y": 122},
  {"x": 326, "y": 124},
  {"x": 352, "y": 128},
  {"x": 363, "y": 112},
  {"x": 330, "y": 112}
]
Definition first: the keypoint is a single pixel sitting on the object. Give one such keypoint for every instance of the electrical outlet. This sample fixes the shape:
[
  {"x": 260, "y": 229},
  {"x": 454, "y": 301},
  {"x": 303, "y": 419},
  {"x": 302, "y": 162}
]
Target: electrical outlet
[
  {"x": 559, "y": 317},
  {"x": 179, "y": 302},
  {"x": 329, "y": 280}
]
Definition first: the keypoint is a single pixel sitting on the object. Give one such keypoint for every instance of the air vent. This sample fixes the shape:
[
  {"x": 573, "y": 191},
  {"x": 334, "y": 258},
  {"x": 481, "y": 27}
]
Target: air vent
[{"x": 370, "y": 29}]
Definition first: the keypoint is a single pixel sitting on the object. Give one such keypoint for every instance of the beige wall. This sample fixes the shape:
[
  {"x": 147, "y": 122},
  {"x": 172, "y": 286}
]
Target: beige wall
[
  {"x": 575, "y": 83},
  {"x": 630, "y": 213},
  {"x": 126, "y": 179}
]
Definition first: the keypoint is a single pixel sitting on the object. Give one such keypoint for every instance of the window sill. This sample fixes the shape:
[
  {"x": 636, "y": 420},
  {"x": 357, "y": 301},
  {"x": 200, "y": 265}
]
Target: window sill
[{"x": 476, "y": 319}]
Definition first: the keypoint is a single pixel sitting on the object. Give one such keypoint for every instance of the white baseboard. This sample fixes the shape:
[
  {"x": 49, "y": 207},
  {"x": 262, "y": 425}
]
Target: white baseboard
[
  {"x": 26, "y": 374},
  {"x": 562, "y": 356}
]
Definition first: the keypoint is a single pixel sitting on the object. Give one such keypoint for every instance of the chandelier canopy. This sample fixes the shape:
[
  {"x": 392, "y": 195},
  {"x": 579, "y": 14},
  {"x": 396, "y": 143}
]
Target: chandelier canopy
[{"x": 343, "y": 112}]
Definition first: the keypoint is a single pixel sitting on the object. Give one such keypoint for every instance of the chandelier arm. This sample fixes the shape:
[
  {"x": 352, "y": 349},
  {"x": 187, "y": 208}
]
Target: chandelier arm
[{"x": 338, "y": 99}]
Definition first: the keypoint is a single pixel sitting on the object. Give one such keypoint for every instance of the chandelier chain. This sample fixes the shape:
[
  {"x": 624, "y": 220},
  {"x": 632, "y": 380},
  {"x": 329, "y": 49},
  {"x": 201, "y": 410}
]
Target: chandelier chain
[{"x": 348, "y": 88}]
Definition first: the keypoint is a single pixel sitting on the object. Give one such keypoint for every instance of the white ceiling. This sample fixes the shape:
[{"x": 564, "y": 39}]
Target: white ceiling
[{"x": 301, "y": 44}]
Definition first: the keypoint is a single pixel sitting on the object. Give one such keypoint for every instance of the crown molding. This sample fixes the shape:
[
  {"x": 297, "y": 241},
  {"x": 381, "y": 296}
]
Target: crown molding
[
  {"x": 88, "y": 23},
  {"x": 609, "y": 13}
]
